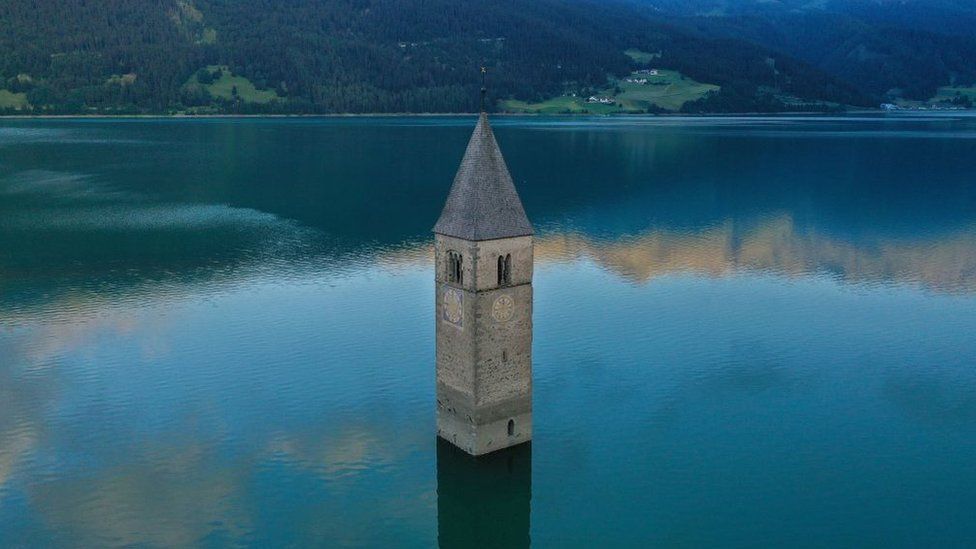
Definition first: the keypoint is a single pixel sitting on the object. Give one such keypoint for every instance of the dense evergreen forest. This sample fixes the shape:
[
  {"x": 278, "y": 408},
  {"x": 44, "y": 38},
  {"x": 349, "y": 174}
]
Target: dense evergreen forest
[
  {"x": 888, "y": 48},
  {"x": 338, "y": 56}
]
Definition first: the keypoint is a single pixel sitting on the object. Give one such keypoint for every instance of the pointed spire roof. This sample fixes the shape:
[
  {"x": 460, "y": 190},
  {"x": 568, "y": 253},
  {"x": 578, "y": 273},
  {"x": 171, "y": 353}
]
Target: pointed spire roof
[{"x": 483, "y": 203}]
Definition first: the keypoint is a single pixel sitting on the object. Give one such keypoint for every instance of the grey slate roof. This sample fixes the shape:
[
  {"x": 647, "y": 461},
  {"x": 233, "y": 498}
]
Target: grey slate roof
[{"x": 483, "y": 203}]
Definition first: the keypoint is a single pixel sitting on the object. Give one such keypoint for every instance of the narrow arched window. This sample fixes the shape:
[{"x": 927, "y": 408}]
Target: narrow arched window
[
  {"x": 504, "y": 270},
  {"x": 511, "y": 427},
  {"x": 455, "y": 269}
]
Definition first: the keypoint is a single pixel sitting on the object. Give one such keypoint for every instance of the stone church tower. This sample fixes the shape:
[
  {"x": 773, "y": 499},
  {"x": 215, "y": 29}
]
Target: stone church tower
[{"x": 483, "y": 249}]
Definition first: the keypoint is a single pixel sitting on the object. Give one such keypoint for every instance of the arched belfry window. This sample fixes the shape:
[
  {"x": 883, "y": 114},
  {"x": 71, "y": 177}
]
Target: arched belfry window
[
  {"x": 455, "y": 264},
  {"x": 504, "y": 270}
]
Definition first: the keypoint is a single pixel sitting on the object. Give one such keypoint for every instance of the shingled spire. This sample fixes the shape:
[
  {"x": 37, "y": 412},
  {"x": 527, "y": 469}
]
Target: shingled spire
[
  {"x": 483, "y": 265},
  {"x": 483, "y": 203}
]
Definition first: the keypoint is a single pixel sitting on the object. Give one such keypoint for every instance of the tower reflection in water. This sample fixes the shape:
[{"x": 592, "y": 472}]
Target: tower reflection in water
[{"x": 483, "y": 501}]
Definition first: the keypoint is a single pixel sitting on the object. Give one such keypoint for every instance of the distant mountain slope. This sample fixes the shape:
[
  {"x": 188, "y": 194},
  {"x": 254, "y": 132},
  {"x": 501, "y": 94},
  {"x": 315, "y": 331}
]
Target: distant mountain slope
[
  {"x": 319, "y": 56},
  {"x": 938, "y": 16},
  {"x": 879, "y": 60},
  {"x": 887, "y": 48}
]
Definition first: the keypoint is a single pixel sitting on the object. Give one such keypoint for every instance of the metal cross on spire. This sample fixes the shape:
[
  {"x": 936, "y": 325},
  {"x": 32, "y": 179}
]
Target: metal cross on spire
[{"x": 484, "y": 88}]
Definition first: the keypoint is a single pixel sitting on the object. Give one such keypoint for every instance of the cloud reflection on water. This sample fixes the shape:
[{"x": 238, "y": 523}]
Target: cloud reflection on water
[
  {"x": 774, "y": 245},
  {"x": 284, "y": 252},
  {"x": 197, "y": 350},
  {"x": 191, "y": 508},
  {"x": 945, "y": 263}
]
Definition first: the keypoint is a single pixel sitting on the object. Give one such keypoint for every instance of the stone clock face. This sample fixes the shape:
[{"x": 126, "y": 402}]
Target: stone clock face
[
  {"x": 453, "y": 306},
  {"x": 503, "y": 309}
]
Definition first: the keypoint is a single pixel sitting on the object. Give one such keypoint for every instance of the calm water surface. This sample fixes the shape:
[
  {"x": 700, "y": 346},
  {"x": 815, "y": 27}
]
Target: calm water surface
[{"x": 748, "y": 331}]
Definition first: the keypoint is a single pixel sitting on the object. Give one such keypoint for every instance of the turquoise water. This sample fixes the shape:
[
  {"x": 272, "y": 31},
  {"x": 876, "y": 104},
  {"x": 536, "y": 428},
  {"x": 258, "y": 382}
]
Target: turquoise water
[{"x": 748, "y": 331}]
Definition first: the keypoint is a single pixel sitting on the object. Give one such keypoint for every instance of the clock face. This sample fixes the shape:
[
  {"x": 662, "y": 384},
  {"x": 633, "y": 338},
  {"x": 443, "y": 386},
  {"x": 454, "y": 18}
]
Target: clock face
[
  {"x": 453, "y": 306},
  {"x": 503, "y": 309}
]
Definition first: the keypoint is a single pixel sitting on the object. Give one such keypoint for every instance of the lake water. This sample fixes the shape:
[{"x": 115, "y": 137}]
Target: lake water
[{"x": 748, "y": 331}]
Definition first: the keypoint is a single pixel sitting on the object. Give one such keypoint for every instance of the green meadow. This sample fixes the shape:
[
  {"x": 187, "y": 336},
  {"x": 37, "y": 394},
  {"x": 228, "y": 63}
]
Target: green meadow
[
  {"x": 667, "y": 90},
  {"x": 641, "y": 57},
  {"x": 224, "y": 86},
  {"x": 10, "y": 100},
  {"x": 564, "y": 104},
  {"x": 950, "y": 92}
]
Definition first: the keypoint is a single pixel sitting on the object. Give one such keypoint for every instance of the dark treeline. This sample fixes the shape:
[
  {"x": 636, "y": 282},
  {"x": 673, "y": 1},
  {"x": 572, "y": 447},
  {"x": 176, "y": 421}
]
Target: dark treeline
[
  {"x": 328, "y": 56},
  {"x": 63, "y": 53},
  {"x": 896, "y": 49},
  {"x": 882, "y": 61}
]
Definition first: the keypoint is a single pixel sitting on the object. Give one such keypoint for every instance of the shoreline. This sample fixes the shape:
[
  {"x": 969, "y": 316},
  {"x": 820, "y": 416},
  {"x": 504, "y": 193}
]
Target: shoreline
[
  {"x": 425, "y": 115},
  {"x": 463, "y": 114}
]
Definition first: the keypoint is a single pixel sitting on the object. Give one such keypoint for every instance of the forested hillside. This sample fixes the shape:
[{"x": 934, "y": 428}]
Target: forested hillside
[
  {"x": 65, "y": 55},
  {"x": 332, "y": 56},
  {"x": 888, "y": 48}
]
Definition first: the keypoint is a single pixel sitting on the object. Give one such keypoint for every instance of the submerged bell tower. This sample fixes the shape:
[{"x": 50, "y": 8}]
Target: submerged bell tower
[{"x": 484, "y": 260}]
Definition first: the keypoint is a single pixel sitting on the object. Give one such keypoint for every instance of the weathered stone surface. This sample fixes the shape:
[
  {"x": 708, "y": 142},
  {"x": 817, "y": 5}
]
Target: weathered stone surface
[
  {"x": 484, "y": 319},
  {"x": 484, "y": 359}
]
